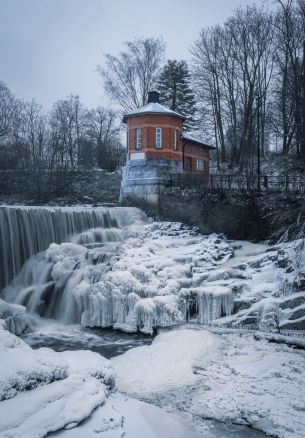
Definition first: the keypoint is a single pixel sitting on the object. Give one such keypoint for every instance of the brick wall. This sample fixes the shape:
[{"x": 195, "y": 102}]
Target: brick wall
[
  {"x": 192, "y": 153},
  {"x": 148, "y": 123},
  {"x": 169, "y": 124}
]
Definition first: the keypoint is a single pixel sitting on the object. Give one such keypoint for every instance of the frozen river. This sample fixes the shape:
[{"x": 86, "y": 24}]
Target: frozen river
[
  {"x": 101, "y": 300},
  {"x": 107, "y": 342},
  {"x": 140, "y": 417}
]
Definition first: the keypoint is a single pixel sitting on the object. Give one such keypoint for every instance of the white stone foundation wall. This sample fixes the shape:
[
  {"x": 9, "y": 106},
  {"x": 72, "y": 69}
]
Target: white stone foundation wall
[{"x": 147, "y": 179}]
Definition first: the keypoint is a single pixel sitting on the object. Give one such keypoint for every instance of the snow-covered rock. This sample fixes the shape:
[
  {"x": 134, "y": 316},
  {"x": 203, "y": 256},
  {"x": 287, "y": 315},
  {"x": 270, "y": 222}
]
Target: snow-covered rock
[
  {"x": 22, "y": 368},
  {"x": 43, "y": 391},
  {"x": 15, "y": 318},
  {"x": 166, "y": 364},
  {"x": 269, "y": 297},
  {"x": 162, "y": 274},
  {"x": 141, "y": 283}
]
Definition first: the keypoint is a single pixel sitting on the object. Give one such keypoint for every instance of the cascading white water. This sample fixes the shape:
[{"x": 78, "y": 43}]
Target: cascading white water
[
  {"x": 46, "y": 282},
  {"x": 25, "y": 231},
  {"x": 94, "y": 274}
]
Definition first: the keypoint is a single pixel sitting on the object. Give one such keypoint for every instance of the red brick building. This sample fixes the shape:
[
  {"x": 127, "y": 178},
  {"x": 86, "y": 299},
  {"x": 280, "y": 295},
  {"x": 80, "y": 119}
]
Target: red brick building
[
  {"x": 155, "y": 132},
  {"x": 157, "y": 147}
]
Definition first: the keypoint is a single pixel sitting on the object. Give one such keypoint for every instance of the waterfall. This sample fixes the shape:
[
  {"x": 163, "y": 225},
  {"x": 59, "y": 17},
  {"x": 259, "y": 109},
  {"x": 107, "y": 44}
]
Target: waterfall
[
  {"x": 25, "y": 231},
  {"x": 101, "y": 268}
]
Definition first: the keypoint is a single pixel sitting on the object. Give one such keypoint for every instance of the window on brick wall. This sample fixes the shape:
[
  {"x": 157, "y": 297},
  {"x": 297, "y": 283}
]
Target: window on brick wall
[
  {"x": 139, "y": 138},
  {"x": 175, "y": 140},
  {"x": 199, "y": 164},
  {"x": 158, "y": 138}
]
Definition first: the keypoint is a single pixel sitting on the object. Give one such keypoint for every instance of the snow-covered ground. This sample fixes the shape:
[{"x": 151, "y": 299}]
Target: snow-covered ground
[
  {"x": 228, "y": 377},
  {"x": 143, "y": 277},
  {"x": 42, "y": 391}
]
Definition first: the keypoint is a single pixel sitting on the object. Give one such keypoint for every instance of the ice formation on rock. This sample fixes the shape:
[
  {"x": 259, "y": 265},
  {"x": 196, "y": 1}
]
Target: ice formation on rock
[
  {"x": 125, "y": 278},
  {"x": 213, "y": 302},
  {"x": 133, "y": 275},
  {"x": 14, "y": 318},
  {"x": 25, "y": 231}
]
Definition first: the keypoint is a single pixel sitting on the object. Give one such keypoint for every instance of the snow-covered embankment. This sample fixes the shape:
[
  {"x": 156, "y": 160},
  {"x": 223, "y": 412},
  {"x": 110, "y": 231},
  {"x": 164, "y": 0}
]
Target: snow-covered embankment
[
  {"x": 43, "y": 391},
  {"x": 229, "y": 378}
]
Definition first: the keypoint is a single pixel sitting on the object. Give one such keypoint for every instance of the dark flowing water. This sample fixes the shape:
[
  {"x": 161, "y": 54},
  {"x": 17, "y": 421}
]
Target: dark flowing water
[{"x": 107, "y": 342}]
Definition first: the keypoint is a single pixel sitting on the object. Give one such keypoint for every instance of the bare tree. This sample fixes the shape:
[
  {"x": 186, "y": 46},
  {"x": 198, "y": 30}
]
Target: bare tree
[
  {"x": 67, "y": 122},
  {"x": 232, "y": 69},
  {"x": 8, "y": 108},
  {"x": 207, "y": 66},
  {"x": 13, "y": 153},
  {"x": 129, "y": 76},
  {"x": 104, "y": 132},
  {"x": 35, "y": 140},
  {"x": 289, "y": 94}
]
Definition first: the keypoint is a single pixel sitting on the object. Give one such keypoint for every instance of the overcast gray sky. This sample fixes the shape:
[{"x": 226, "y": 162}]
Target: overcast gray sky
[{"x": 50, "y": 48}]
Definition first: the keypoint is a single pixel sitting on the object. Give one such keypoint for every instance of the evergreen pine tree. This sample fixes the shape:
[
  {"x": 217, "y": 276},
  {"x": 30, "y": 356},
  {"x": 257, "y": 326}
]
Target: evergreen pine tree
[{"x": 176, "y": 93}]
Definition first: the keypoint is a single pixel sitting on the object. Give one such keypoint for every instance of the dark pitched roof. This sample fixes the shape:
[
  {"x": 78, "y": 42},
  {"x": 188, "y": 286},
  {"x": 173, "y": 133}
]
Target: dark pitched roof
[{"x": 189, "y": 139}]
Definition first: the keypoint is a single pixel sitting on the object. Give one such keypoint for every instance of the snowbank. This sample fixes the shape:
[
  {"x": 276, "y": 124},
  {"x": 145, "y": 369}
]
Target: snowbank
[
  {"x": 229, "y": 377},
  {"x": 256, "y": 383},
  {"x": 165, "y": 365},
  {"x": 122, "y": 416},
  {"x": 43, "y": 391}
]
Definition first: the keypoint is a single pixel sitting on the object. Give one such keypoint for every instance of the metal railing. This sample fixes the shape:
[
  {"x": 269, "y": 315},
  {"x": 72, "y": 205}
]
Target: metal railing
[{"x": 242, "y": 182}]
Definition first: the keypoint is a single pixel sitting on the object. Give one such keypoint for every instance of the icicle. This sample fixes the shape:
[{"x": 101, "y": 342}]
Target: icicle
[{"x": 213, "y": 302}]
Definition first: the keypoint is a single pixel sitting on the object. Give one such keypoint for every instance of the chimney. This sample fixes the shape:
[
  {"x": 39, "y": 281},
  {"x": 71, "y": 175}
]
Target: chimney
[{"x": 153, "y": 97}]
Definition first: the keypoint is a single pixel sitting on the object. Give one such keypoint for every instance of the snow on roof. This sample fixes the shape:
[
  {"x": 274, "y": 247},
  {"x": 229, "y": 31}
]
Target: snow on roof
[
  {"x": 188, "y": 138},
  {"x": 153, "y": 108}
]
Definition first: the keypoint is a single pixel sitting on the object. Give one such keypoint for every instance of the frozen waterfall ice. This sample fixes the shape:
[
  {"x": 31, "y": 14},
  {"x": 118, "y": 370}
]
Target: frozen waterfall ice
[
  {"x": 111, "y": 268},
  {"x": 24, "y": 231}
]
